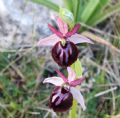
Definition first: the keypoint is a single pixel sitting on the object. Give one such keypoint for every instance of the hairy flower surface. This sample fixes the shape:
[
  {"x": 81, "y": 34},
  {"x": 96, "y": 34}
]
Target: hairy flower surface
[
  {"x": 65, "y": 55},
  {"x": 62, "y": 96},
  {"x": 64, "y": 50},
  {"x": 61, "y": 99}
]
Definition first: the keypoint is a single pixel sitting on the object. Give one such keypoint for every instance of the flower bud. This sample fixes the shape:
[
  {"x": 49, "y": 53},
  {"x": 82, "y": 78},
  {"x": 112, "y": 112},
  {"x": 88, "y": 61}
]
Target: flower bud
[{"x": 67, "y": 16}]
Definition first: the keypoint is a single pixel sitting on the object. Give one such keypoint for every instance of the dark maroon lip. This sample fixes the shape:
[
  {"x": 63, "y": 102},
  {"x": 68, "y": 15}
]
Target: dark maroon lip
[
  {"x": 65, "y": 55},
  {"x": 61, "y": 99},
  {"x": 68, "y": 34}
]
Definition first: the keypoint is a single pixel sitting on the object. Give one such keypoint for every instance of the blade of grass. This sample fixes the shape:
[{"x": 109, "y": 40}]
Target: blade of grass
[
  {"x": 102, "y": 16},
  {"x": 75, "y": 4},
  {"x": 101, "y": 6},
  {"x": 68, "y": 4},
  {"x": 81, "y": 7},
  {"x": 101, "y": 41},
  {"x": 48, "y": 4},
  {"x": 89, "y": 9}
]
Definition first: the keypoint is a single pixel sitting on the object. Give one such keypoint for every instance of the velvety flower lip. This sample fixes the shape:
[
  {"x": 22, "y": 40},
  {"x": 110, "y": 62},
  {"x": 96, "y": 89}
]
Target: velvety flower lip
[
  {"x": 71, "y": 82},
  {"x": 64, "y": 53},
  {"x": 63, "y": 33},
  {"x": 61, "y": 99}
]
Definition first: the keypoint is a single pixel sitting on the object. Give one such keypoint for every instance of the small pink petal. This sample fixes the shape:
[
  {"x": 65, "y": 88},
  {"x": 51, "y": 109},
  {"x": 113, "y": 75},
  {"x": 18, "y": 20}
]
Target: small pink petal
[
  {"x": 59, "y": 34},
  {"x": 77, "y": 38},
  {"x": 62, "y": 76},
  {"x": 76, "y": 82},
  {"x": 49, "y": 41},
  {"x": 57, "y": 81},
  {"x": 71, "y": 74},
  {"x": 78, "y": 97},
  {"x": 73, "y": 31},
  {"x": 62, "y": 26}
]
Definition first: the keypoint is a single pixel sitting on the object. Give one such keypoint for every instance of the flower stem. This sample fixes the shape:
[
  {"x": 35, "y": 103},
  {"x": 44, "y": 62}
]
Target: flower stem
[{"x": 73, "y": 111}]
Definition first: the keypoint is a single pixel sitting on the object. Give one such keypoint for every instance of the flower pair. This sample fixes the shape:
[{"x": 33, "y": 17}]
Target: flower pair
[{"x": 65, "y": 53}]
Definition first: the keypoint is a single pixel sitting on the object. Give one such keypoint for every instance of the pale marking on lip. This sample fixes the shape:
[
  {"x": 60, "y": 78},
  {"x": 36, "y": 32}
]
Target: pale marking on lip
[{"x": 54, "y": 97}]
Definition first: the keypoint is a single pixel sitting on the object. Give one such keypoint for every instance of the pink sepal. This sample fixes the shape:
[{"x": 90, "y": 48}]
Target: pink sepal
[
  {"x": 59, "y": 34},
  {"x": 78, "y": 97},
  {"x": 77, "y": 38},
  {"x": 62, "y": 76},
  {"x": 57, "y": 81},
  {"x": 71, "y": 74},
  {"x": 62, "y": 26},
  {"x": 48, "y": 41},
  {"x": 73, "y": 31},
  {"x": 76, "y": 82}
]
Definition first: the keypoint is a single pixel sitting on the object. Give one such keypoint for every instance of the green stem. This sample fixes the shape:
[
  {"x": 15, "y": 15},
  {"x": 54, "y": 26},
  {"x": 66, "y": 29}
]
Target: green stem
[{"x": 73, "y": 113}]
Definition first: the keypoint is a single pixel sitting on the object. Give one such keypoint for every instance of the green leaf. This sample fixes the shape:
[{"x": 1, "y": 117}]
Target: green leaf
[
  {"x": 13, "y": 105},
  {"x": 75, "y": 4},
  {"x": 107, "y": 13},
  {"x": 102, "y": 4},
  {"x": 77, "y": 67},
  {"x": 68, "y": 5},
  {"x": 48, "y": 4},
  {"x": 73, "y": 111},
  {"x": 90, "y": 8},
  {"x": 81, "y": 7},
  {"x": 100, "y": 8}
]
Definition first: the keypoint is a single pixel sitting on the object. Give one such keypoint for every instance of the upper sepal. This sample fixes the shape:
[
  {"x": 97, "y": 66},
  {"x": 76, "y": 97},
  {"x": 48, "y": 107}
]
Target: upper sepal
[{"x": 62, "y": 26}]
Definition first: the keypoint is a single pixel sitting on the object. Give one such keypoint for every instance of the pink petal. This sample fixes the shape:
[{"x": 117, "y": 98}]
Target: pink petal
[
  {"x": 59, "y": 34},
  {"x": 76, "y": 82},
  {"x": 62, "y": 76},
  {"x": 78, "y": 97},
  {"x": 57, "y": 81},
  {"x": 77, "y": 38},
  {"x": 49, "y": 41},
  {"x": 62, "y": 26},
  {"x": 73, "y": 31},
  {"x": 71, "y": 74}
]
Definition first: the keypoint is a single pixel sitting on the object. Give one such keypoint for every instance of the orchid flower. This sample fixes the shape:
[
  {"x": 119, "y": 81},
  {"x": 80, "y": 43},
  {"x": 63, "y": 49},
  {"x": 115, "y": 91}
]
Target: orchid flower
[
  {"x": 64, "y": 50},
  {"x": 62, "y": 96}
]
